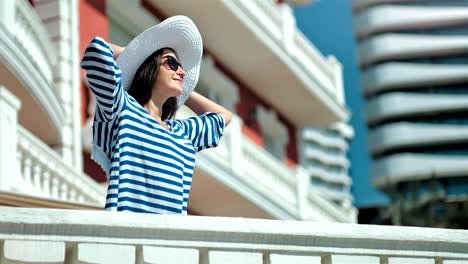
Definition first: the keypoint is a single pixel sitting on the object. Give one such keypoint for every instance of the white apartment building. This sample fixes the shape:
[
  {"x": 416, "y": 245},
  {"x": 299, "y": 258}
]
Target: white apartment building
[{"x": 414, "y": 63}]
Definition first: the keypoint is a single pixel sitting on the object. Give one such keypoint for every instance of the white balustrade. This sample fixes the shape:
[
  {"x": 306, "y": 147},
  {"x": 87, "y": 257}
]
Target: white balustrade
[
  {"x": 30, "y": 167},
  {"x": 270, "y": 174},
  {"x": 78, "y": 236},
  {"x": 27, "y": 29},
  {"x": 287, "y": 188},
  {"x": 44, "y": 173},
  {"x": 277, "y": 20}
]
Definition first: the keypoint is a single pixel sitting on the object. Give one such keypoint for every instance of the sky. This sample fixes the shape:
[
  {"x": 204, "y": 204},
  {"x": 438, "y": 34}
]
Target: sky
[{"x": 328, "y": 24}]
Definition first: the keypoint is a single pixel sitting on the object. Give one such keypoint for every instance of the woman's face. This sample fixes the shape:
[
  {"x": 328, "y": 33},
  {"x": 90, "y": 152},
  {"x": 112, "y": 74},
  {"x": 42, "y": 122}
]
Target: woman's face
[{"x": 170, "y": 78}]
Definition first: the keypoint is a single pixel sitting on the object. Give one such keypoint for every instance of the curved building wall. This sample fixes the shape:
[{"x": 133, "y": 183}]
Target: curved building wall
[{"x": 414, "y": 75}]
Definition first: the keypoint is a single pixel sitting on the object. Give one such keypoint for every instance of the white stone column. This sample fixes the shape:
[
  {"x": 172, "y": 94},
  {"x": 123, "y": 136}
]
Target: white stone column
[
  {"x": 302, "y": 190},
  {"x": 410, "y": 260},
  {"x": 167, "y": 255},
  {"x": 24, "y": 251},
  {"x": 102, "y": 253},
  {"x": 9, "y": 166},
  {"x": 351, "y": 259},
  {"x": 235, "y": 144},
  {"x": 294, "y": 259},
  {"x": 60, "y": 19},
  {"x": 233, "y": 257}
]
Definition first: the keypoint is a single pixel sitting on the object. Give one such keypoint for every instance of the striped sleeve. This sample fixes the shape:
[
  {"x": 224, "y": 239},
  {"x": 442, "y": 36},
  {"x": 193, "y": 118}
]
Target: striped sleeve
[
  {"x": 204, "y": 131},
  {"x": 103, "y": 76}
]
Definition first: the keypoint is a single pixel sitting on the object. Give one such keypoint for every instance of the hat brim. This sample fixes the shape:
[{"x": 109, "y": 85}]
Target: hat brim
[{"x": 178, "y": 33}]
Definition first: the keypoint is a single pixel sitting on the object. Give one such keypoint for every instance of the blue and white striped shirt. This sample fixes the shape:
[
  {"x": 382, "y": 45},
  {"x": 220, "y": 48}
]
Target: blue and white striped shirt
[{"x": 149, "y": 168}]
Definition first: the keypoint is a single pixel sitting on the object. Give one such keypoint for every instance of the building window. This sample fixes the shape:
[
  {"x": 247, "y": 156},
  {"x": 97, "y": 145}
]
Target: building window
[
  {"x": 275, "y": 134},
  {"x": 216, "y": 86}
]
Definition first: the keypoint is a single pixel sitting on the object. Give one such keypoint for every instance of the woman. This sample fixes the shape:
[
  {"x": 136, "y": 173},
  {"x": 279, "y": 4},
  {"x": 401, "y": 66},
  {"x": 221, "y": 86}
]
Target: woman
[{"x": 148, "y": 156}]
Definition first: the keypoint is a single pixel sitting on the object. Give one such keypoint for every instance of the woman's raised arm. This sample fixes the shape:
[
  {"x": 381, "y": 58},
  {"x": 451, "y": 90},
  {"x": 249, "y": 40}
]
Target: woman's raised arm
[
  {"x": 103, "y": 77},
  {"x": 200, "y": 105}
]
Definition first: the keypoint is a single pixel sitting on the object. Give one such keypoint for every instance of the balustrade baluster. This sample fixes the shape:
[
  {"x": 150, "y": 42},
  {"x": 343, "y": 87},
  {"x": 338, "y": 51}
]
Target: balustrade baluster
[
  {"x": 64, "y": 192},
  {"x": 19, "y": 160},
  {"x": 46, "y": 183},
  {"x": 55, "y": 187},
  {"x": 37, "y": 178},
  {"x": 73, "y": 194},
  {"x": 26, "y": 171}
]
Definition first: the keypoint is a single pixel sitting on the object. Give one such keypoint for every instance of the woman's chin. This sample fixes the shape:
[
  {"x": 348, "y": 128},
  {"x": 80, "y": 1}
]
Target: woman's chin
[{"x": 178, "y": 90}]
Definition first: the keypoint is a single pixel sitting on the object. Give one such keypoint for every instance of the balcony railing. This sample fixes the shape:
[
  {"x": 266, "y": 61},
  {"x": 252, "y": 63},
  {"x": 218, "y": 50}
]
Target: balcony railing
[
  {"x": 29, "y": 167},
  {"x": 66, "y": 236},
  {"x": 286, "y": 189},
  {"x": 43, "y": 173}
]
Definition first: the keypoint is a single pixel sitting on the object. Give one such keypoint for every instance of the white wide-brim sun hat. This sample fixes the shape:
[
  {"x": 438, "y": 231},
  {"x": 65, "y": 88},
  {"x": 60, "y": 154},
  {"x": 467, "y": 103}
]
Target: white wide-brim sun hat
[{"x": 178, "y": 33}]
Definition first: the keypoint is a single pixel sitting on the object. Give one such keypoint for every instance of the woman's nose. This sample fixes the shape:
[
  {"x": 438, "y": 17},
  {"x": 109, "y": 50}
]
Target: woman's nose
[{"x": 180, "y": 72}]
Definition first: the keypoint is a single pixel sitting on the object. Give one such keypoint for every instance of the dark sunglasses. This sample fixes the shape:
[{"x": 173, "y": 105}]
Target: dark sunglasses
[{"x": 173, "y": 63}]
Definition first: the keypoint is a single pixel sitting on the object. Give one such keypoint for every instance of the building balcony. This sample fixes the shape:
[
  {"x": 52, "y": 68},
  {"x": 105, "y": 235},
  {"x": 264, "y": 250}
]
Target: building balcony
[
  {"x": 406, "y": 135},
  {"x": 400, "y": 105},
  {"x": 66, "y": 236},
  {"x": 406, "y": 167},
  {"x": 406, "y": 46},
  {"x": 339, "y": 196},
  {"x": 323, "y": 139},
  {"x": 27, "y": 61},
  {"x": 285, "y": 64},
  {"x": 395, "y": 75},
  {"x": 386, "y": 18},
  {"x": 318, "y": 172},
  {"x": 255, "y": 182},
  {"x": 324, "y": 157},
  {"x": 32, "y": 174}
]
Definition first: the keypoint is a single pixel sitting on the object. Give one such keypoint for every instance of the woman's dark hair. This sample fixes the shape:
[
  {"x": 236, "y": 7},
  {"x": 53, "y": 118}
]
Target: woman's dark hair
[{"x": 143, "y": 83}]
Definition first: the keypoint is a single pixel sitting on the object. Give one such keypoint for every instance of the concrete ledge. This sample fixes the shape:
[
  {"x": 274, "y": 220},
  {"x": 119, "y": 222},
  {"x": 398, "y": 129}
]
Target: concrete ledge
[{"x": 251, "y": 239}]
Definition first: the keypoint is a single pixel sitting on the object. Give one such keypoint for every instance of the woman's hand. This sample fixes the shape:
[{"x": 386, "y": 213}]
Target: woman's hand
[{"x": 117, "y": 50}]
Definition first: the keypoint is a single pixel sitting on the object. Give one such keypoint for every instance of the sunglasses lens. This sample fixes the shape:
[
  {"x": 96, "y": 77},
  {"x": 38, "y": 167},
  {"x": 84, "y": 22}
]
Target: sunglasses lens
[{"x": 173, "y": 64}]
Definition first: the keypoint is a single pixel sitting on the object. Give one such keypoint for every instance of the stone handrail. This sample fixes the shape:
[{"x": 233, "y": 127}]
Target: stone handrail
[
  {"x": 67, "y": 236},
  {"x": 44, "y": 173}
]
